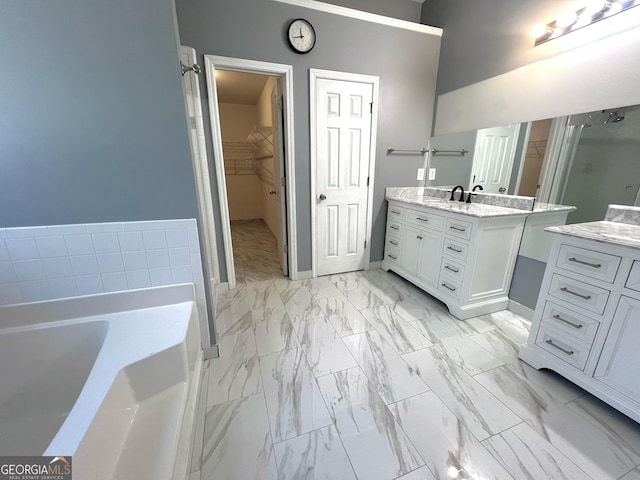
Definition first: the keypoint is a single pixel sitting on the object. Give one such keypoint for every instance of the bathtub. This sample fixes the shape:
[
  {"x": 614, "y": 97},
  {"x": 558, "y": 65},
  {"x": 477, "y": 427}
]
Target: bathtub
[{"x": 111, "y": 380}]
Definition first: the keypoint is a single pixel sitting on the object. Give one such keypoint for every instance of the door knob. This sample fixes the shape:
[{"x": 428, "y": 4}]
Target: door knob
[
  {"x": 502, "y": 189},
  {"x": 272, "y": 192},
  {"x": 322, "y": 197}
]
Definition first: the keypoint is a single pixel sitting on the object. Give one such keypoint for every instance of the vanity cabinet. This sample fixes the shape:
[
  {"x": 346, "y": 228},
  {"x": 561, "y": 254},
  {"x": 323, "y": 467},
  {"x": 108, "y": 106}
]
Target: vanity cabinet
[
  {"x": 466, "y": 262},
  {"x": 586, "y": 324}
]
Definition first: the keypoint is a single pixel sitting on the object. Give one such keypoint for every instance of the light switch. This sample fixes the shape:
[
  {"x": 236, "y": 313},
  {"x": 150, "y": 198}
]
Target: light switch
[
  {"x": 421, "y": 174},
  {"x": 432, "y": 174}
]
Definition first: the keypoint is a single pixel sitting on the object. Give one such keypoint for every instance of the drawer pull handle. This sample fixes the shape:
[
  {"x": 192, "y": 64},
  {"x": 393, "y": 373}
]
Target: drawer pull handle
[
  {"x": 564, "y": 350},
  {"x": 453, "y": 227},
  {"x": 574, "y": 325},
  {"x": 449, "y": 247},
  {"x": 454, "y": 270},
  {"x": 397, "y": 212},
  {"x": 395, "y": 228},
  {"x": 584, "y": 297},
  {"x": 419, "y": 237},
  {"x": 392, "y": 256},
  {"x": 448, "y": 287},
  {"x": 393, "y": 242},
  {"x": 422, "y": 219},
  {"x": 594, "y": 265}
]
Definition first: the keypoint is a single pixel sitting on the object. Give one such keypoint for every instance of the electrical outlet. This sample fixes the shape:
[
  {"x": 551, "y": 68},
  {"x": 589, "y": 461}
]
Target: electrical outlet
[
  {"x": 421, "y": 174},
  {"x": 432, "y": 174}
]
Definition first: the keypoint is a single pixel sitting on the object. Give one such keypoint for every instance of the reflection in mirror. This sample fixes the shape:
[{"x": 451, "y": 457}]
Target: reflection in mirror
[{"x": 588, "y": 160}]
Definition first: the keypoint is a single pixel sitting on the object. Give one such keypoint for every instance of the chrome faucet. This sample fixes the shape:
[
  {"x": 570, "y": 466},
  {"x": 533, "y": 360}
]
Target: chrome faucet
[
  {"x": 475, "y": 187},
  {"x": 461, "y": 193}
]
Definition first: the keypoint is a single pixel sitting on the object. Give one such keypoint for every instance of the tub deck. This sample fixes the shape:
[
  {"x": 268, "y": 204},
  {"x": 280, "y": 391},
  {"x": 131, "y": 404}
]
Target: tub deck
[{"x": 121, "y": 381}]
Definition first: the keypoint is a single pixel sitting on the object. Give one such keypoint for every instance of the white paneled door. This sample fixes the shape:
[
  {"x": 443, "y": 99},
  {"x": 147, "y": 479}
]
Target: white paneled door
[
  {"x": 343, "y": 123},
  {"x": 493, "y": 157}
]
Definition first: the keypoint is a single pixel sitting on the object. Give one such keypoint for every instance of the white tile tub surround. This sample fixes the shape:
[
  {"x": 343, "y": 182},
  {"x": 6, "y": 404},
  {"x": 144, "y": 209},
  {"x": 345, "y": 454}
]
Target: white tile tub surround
[{"x": 59, "y": 261}]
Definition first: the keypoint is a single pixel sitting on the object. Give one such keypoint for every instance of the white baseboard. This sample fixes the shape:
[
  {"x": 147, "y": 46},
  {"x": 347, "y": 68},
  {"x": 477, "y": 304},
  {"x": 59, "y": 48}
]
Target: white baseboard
[
  {"x": 374, "y": 265},
  {"x": 222, "y": 286},
  {"x": 520, "y": 309},
  {"x": 305, "y": 275}
]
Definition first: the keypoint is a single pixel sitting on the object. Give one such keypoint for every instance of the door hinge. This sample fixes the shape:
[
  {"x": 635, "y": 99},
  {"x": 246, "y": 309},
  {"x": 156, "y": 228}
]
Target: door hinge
[
  {"x": 280, "y": 103},
  {"x": 285, "y": 248},
  {"x": 365, "y": 244},
  {"x": 368, "y": 181},
  {"x": 283, "y": 181},
  {"x": 192, "y": 123},
  {"x": 371, "y": 107}
]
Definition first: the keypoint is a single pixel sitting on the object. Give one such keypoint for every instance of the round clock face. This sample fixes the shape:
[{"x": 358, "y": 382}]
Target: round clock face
[{"x": 302, "y": 36}]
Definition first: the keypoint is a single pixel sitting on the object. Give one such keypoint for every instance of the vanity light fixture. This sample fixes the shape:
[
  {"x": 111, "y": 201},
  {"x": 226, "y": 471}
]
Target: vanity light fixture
[{"x": 571, "y": 20}]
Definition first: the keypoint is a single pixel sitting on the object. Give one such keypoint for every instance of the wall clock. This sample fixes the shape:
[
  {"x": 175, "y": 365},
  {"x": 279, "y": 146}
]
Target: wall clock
[{"x": 302, "y": 36}]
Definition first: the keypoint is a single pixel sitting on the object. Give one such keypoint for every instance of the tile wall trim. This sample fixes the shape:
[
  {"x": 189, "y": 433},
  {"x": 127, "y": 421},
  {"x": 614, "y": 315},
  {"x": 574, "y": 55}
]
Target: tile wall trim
[{"x": 61, "y": 261}]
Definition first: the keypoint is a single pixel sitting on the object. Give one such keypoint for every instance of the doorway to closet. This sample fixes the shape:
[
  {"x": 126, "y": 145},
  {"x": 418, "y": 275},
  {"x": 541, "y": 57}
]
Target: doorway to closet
[{"x": 250, "y": 112}]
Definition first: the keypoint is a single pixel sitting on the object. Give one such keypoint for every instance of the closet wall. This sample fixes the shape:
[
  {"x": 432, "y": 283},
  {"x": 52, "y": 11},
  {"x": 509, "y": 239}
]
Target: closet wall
[
  {"x": 243, "y": 186},
  {"x": 247, "y": 147}
]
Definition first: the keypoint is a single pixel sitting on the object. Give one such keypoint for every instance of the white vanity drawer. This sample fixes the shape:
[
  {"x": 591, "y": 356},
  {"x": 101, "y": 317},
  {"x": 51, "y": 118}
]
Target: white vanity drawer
[
  {"x": 395, "y": 212},
  {"x": 452, "y": 269},
  {"x": 589, "y": 297},
  {"x": 449, "y": 286},
  {"x": 394, "y": 229},
  {"x": 455, "y": 249},
  {"x": 573, "y": 324},
  {"x": 392, "y": 256},
  {"x": 424, "y": 220},
  {"x": 459, "y": 228},
  {"x": 392, "y": 243},
  {"x": 570, "y": 350},
  {"x": 633, "y": 282},
  {"x": 602, "y": 266}
]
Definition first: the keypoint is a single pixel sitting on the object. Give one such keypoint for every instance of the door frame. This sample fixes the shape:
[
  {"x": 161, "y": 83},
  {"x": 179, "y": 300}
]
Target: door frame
[
  {"x": 314, "y": 76},
  {"x": 285, "y": 72}
]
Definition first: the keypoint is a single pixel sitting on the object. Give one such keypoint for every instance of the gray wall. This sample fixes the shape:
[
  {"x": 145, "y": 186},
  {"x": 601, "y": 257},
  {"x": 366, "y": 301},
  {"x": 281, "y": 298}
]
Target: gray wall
[
  {"x": 527, "y": 279},
  {"x": 453, "y": 169},
  {"x": 485, "y": 38},
  {"x": 402, "y": 9},
  {"x": 405, "y": 61},
  {"x": 92, "y": 120}
]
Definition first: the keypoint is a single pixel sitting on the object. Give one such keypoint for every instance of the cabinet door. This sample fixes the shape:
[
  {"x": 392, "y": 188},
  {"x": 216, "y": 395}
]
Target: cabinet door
[
  {"x": 411, "y": 243},
  {"x": 430, "y": 255},
  {"x": 618, "y": 362}
]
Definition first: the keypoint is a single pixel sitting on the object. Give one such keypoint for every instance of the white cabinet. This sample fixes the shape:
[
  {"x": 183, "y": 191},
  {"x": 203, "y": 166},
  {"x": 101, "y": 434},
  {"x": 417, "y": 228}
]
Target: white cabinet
[
  {"x": 421, "y": 253},
  {"x": 618, "y": 362},
  {"x": 410, "y": 249},
  {"x": 466, "y": 262},
  {"x": 429, "y": 262},
  {"x": 586, "y": 325}
]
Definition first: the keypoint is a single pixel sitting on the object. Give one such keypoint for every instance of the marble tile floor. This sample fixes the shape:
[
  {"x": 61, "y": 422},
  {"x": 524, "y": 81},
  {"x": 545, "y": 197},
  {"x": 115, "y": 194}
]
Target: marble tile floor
[
  {"x": 255, "y": 251},
  {"x": 364, "y": 376}
]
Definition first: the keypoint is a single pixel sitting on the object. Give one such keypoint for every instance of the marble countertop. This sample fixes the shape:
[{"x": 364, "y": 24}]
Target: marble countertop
[
  {"x": 471, "y": 209},
  {"x": 605, "y": 232},
  {"x": 551, "y": 207}
]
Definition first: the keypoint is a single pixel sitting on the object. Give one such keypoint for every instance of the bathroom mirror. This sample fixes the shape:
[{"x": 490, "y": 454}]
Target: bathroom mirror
[{"x": 588, "y": 160}]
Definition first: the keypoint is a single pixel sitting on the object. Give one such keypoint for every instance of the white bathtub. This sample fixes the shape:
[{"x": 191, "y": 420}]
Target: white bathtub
[{"x": 110, "y": 380}]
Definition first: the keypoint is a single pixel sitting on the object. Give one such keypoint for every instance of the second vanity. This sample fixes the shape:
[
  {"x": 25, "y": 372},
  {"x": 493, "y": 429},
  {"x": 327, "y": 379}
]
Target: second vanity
[
  {"x": 586, "y": 325},
  {"x": 462, "y": 254}
]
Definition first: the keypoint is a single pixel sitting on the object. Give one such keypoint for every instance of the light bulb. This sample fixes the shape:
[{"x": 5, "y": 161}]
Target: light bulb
[
  {"x": 566, "y": 19},
  {"x": 596, "y": 6},
  {"x": 539, "y": 30},
  {"x": 453, "y": 472}
]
